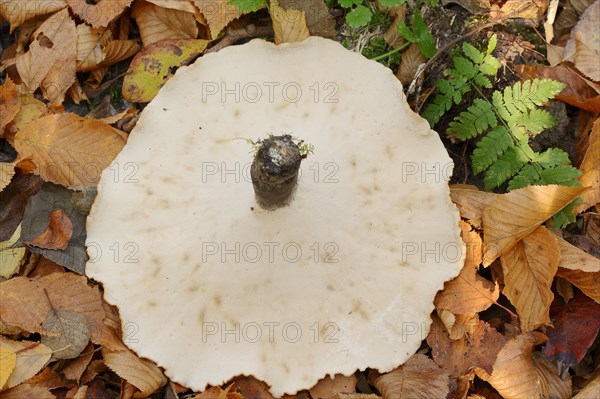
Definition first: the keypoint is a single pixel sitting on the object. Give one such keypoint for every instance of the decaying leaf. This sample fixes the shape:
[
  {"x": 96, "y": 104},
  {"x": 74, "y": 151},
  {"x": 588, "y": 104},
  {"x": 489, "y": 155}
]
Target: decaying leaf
[
  {"x": 17, "y": 12},
  {"x": 98, "y": 13},
  {"x": 8, "y": 361},
  {"x": 529, "y": 268},
  {"x": 27, "y": 391},
  {"x": 11, "y": 257},
  {"x": 553, "y": 386},
  {"x": 591, "y": 390},
  {"x": 328, "y": 387},
  {"x": 289, "y": 24},
  {"x": 473, "y": 6},
  {"x": 512, "y": 216},
  {"x": 50, "y": 379},
  {"x": 74, "y": 153},
  {"x": 418, "y": 378},
  {"x": 583, "y": 47},
  {"x": 412, "y": 57},
  {"x": 580, "y": 269},
  {"x": 318, "y": 19},
  {"x": 13, "y": 201},
  {"x": 151, "y": 67},
  {"x": 75, "y": 369},
  {"x": 248, "y": 387},
  {"x": 524, "y": 9},
  {"x": 50, "y": 62},
  {"x": 7, "y": 171},
  {"x": 31, "y": 357},
  {"x": 218, "y": 14},
  {"x": 457, "y": 325},
  {"x": 119, "y": 50},
  {"x": 576, "y": 326},
  {"x": 57, "y": 234},
  {"x": 144, "y": 375},
  {"x": 10, "y": 98},
  {"x": 471, "y": 202},
  {"x": 69, "y": 333},
  {"x": 590, "y": 169},
  {"x": 158, "y": 23},
  {"x": 90, "y": 46}
]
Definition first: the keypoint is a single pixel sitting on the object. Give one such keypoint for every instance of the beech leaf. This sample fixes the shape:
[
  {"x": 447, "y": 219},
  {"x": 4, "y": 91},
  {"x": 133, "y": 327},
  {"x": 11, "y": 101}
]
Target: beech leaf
[
  {"x": 141, "y": 373},
  {"x": 158, "y": 23},
  {"x": 31, "y": 357},
  {"x": 218, "y": 14},
  {"x": 98, "y": 13},
  {"x": 289, "y": 24}
]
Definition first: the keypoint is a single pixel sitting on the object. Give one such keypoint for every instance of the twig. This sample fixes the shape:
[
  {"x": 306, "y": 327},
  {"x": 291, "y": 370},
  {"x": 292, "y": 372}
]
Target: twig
[{"x": 234, "y": 35}]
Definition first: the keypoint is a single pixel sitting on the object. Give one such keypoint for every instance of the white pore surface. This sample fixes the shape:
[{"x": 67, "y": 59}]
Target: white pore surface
[{"x": 210, "y": 286}]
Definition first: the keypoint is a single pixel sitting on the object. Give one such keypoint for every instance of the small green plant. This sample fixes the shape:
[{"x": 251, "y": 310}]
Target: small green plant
[
  {"x": 247, "y": 6},
  {"x": 419, "y": 34},
  {"x": 360, "y": 14},
  {"x": 505, "y": 124}
]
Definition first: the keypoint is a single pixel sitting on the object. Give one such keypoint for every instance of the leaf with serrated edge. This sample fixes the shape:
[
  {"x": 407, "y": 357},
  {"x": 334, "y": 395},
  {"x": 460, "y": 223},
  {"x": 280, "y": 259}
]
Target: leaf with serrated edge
[
  {"x": 157, "y": 23},
  {"x": 590, "y": 167},
  {"x": 8, "y": 361},
  {"x": 31, "y": 358},
  {"x": 471, "y": 201},
  {"x": 289, "y": 25},
  {"x": 218, "y": 14},
  {"x": 139, "y": 372},
  {"x": 16, "y": 14},
  {"x": 98, "y": 13},
  {"x": 69, "y": 149},
  {"x": 514, "y": 215}
]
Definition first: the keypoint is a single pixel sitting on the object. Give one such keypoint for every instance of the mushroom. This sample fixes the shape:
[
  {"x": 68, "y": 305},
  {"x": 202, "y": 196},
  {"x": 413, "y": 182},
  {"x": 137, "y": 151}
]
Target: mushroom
[{"x": 214, "y": 281}]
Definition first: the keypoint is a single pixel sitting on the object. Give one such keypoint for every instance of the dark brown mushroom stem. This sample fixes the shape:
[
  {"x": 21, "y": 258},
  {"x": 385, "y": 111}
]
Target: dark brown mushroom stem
[{"x": 274, "y": 171}]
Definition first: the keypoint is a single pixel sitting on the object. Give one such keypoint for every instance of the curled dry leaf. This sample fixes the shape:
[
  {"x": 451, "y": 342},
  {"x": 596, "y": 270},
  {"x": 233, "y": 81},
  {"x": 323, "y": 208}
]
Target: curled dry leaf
[
  {"x": 418, "y": 378},
  {"x": 218, "y": 14},
  {"x": 10, "y": 98},
  {"x": 31, "y": 358},
  {"x": 583, "y": 47},
  {"x": 473, "y": 6},
  {"x": 98, "y": 13},
  {"x": 8, "y": 361},
  {"x": 512, "y": 216},
  {"x": 157, "y": 23},
  {"x": 50, "y": 62},
  {"x": 69, "y": 334},
  {"x": 90, "y": 46},
  {"x": 580, "y": 269},
  {"x": 529, "y": 268},
  {"x": 141, "y": 373},
  {"x": 289, "y": 24},
  {"x": 150, "y": 68},
  {"x": 17, "y": 12},
  {"x": 514, "y": 376},
  {"x": 27, "y": 391},
  {"x": 553, "y": 386},
  {"x": 471, "y": 202},
  {"x": 411, "y": 59},
  {"x": 328, "y": 387},
  {"x": 590, "y": 169},
  {"x": 469, "y": 292},
  {"x": 57, "y": 234},
  {"x": 76, "y": 151},
  {"x": 119, "y": 50}
]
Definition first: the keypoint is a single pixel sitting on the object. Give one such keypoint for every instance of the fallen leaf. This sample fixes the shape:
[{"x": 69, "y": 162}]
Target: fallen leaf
[
  {"x": 318, "y": 19},
  {"x": 24, "y": 304},
  {"x": 175, "y": 5},
  {"x": 411, "y": 59},
  {"x": 457, "y": 325},
  {"x": 591, "y": 390},
  {"x": 553, "y": 386},
  {"x": 248, "y": 387},
  {"x": 289, "y": 25},
  {"x": 471, "y": 201},
  {"x": 11, "y": 257},
  {"x": 583, "y": 47},
  {"x": 590, "y": 169},
  {"x": 578, "y": 91},
  {"x": 57, "y": 234},
  {"x": 31, "y": 358},
  {"x": 50, "y": 379},
  {"x": 580, "y": 269},
  {"x": 157, "y": 23},
  {"x": 525, "y": 9},
  {"x": 476, "y": 7},
  {"x": 98, "y": 13},
  {"x": 10, "y": 98},
  {"x": 68, "y": 149},
  {"x": 392, "y": 36},
  {"x": 141, "y": 373},
  {"x": 17, "y": 12},
  {"x": 150, "y": 68},
  {"x": 529, "y": 268},
  {"x": 31, "y": 110},
  {"x": 7, "y": 171},
  {"x": 8, "y": 361},
  {"x": 119, "y": 50},
  {"x": 218, "y": 14},
  {"x": 514, "y": 376},
  {"x": 456, "y": 357},
  {"x": 13, "y": 201},
  {"x": 75, "y": 369},
  {"x": 27, "y": 391},
  {"x": 468, "y": 292},
  {"x": 96, "y": 367},
  {"x": 90, "y": 46},
  {"x": 78, "y": 393},
  {"x": 565, "y": 289},
  {"x": 576, "y": 326},
  {"x": 69, "y": 334},
  {"x": 328, "y": 386},
  {"x": 512, "y": 216},
  {"x": 418, "y": 378},
  {"x": 50, "y": 62}
]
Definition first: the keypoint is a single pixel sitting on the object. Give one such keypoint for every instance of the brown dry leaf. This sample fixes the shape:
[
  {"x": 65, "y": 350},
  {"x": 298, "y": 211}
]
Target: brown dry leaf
[
  {"x": 17, "y": 12},
  {"x": 70, "y": 334},
  {"x": 90, "y": 46},
  {"x": 27, "y": 391},
  {"x": 78, "y": 393},
  {"x": 457, "y": 325},
  {"x": 57, "y": 234},
  {"x": 31, "y": 358},
  {"x": 587, "y": 282},
  {"x": 50, "y": 62},
  {"x": 514, "y": 375},
  {"x": 98, "y": 13},
  {"x": 355, "y": 396},
  {"x": 525, "y": 9},
  {"x": 12, "y": 258},
  {"x": 418, "y": 378},
  {"x": 218, "y": 14},
  {"x": 591, "y": 390},
  {"x": 573, "y": 258},
  {"x": 552, "y": 384},
  {"x": 318, "y": 19},
  {"x": 7, "y": 171},
  {"x": 76, "y": 93},
  {"x": 289, "y": 25},
  {"x": 50, "y": 379},
  {"x": 476, "y": 7},
  {"x": 141, "y": 373},
  {"x": 392, "y": 36},
  {"x": 411, "y": 59},
  {"x": 119, "y": 50},
  {"x": 248, "y": 387},
  {"x": 590, "y": 167},
  {"x": 469, "y": 292},
  {"x": 31, "y": 109},
  {"x": 157, "y": 23},
  {"x": 96, "y": 367},
  {"x": 10, "y": 98},
  {"x": 578, "y": 92},
  {"x": 184, "y": 5},
  {"x": 24, "y": 304},
  {"x": 8, "y": 361},
  {"x": 514, "y": 215},
  {"x": 529, "y": 268},
  {"x": 74, "y": 370},
  {"x": 328, "y": 387},
  {"x": 583, "y": 47},
  {"x": 68, "y": 149},
  {"x": 471, "y": 201},
  {"x": 456, "y": 357}
]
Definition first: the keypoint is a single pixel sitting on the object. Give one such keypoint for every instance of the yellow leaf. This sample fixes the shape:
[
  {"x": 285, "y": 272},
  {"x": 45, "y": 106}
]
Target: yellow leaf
[
  {"x": 590, "y": 169},
  {"x": 8, "y": 360},
  {"x": 289, "y": 24},
  {"x": 31, "y": 109},
  {"x": 529, "y": 268},
  {"x": 17, "y": 12},
  {"x": 218, "y": 14},
  {"x": 141, "y": 373},
  {"x": 31, "y": 357},
  {"x": 11, "y": 258},
  {"x": 514, "y": 215},
  {"x": 157, "y": 23},
  {"x": 149, "y": 70},
  {"x": 98, "y": 13},
  {"x": 69, "y": 149}
]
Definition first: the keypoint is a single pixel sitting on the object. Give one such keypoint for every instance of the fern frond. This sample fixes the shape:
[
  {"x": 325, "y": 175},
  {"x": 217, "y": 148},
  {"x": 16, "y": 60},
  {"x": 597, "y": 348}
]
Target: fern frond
[
  {"x": 508, "y": 165},
  {"x": 552, "y": 157},
  {"x": 475, "y": 55},
  {"x": 474, "y": 121},
  {"x": 527, "y": 176},
  {"x": 536, "y": 120},
  {"x": 490, "y": 148},
  {"x": 564, "y": 175}
]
